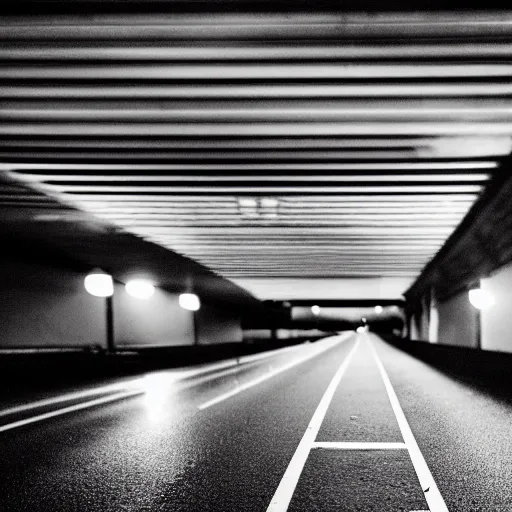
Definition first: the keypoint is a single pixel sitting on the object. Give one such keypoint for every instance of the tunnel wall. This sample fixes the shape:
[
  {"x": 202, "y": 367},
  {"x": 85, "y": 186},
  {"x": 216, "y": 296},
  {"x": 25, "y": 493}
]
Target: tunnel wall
[
  {"x": 433, "y": 325},
  {"x": 42, "y": 306},
  {"x": 413, "y": 328},
  {"x": 156, "y": 322},
  {"x": 458, "y": 322},
  {"x": 497, "y": 321},
  {"x": 47, "y": 307},
  {"x": 254, "y": 335},
  {"x": 425, "y": 319},
  {"x": 213, "y": 326},
  {"x": 298, "y": 333}
]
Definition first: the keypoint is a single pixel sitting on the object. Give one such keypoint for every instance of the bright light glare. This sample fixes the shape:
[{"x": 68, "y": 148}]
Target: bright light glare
[
  {"x": 269, "y": 202},
  {"x": 361, "y": 329},
  {"x": 248, "y": 206},
  {"x": 315, "y": 310},
  {"x": 189, "y": 301},
  {"x": 378, "y": 310},
  {"x": 481, "y": 299},
  {"x": 156, "y": 393},
  {"x": 140, "y": 288},
  {"x": 269, "y": 206},
  {"x": 450, "y": 147},
  {"x": 99, "y": 284}
]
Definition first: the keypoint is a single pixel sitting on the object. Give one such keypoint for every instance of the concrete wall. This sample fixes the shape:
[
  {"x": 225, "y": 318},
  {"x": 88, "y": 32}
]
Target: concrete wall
[
  {"x": 256, "y": 334},
  {"x": 424, "y": 325},
  {"x": 433, "y": 325},
  {"x": 155, "y": 322},
  {"x": 214, "y": 325},
  {"x": 425, "y": 319},
  {"x": 414, "y": 331},
  {"x": 458, "y": 322},
  {"x": 41, "y": 306},
  {"x": 298, "y": 333},
  {"x": 497, "y": 320}
]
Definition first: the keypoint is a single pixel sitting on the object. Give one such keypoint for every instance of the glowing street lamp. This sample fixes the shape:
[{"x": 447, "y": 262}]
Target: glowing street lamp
[
  {"x": 99, "y": 284},
  {"x": 189, "y": 301},
  {"x": 140, "y": 288},
  {"x": 480, "y": 299}
]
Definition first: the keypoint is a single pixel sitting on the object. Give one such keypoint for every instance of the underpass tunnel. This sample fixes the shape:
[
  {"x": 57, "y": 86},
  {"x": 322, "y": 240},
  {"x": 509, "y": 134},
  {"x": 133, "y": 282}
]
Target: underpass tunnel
[
  {"x": 247, "y": 162},
  {"x": 269, "y": 168},
  {"x": 243, "y": 245}
]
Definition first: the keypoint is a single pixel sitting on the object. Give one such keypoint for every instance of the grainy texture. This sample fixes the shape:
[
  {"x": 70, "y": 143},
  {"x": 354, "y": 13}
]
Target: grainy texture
[{"x": 145, "y": 454}]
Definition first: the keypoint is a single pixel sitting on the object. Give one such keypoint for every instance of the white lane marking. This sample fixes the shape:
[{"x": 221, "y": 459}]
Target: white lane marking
[
  {"x": 71, "y": 408},
  {"x": 263, "y": 355},
  {"x": 359, "y": 446},
  {"x": 322, "y": 348},
  {"x": 196, "y": 381},
  {"x": 230, "y": 364},
  {"x": 286, "y": 488},
  {"x": 66, "y": 398},
  {"x": 434, "y": 499},
  {"x": 200, "y": 379}
]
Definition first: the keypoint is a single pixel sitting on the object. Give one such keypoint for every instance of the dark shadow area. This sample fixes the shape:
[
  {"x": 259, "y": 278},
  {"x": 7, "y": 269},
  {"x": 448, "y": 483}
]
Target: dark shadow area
[
  {"x": 386, "y": 325},
  {"x": 488, "y": 372},
  {"x": 41, "y": 372},
  {"x": 281, "y": 6}
]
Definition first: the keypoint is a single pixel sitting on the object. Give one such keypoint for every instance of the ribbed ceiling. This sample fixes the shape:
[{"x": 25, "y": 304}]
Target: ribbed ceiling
[{"x": 264, "y": 145}]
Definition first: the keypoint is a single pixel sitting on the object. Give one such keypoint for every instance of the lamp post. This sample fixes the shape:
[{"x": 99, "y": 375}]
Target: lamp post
[
  {"x": 189, "y": 301},
  {"x": 100, "y": 284},
  {"x": 111, "y": 348}
]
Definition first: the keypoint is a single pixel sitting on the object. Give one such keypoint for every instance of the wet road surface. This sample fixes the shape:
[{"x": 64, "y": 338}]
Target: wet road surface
[{"x": 316, "y": 427}]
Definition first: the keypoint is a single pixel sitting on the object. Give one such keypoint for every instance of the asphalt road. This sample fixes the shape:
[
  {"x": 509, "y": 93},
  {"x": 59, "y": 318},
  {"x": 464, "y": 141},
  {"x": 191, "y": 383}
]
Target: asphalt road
[{"x": 222, "y": 437}]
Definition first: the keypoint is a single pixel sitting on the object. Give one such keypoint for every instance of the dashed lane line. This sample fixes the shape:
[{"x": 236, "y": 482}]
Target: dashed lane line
[
  {"x": 430, "y": 490},
  {"x": 359, "y": 446},
  {"x": 286, "y": 488}
]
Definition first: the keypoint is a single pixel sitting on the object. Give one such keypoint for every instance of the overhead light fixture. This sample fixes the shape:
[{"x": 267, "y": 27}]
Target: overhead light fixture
[
  {"x": 268, "y": 207},
  {"x": 264, "y": 207},
  {"x": 189, "y": 301},
  {"x": 99, "y": 284},
  {"x": 140, "y": 288},
  {"x": 248, "y": 207},
  {"x": 315, "y": 310},
  {"x": 378, "y": 309},
  {"x": 481, "y": 299}
]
